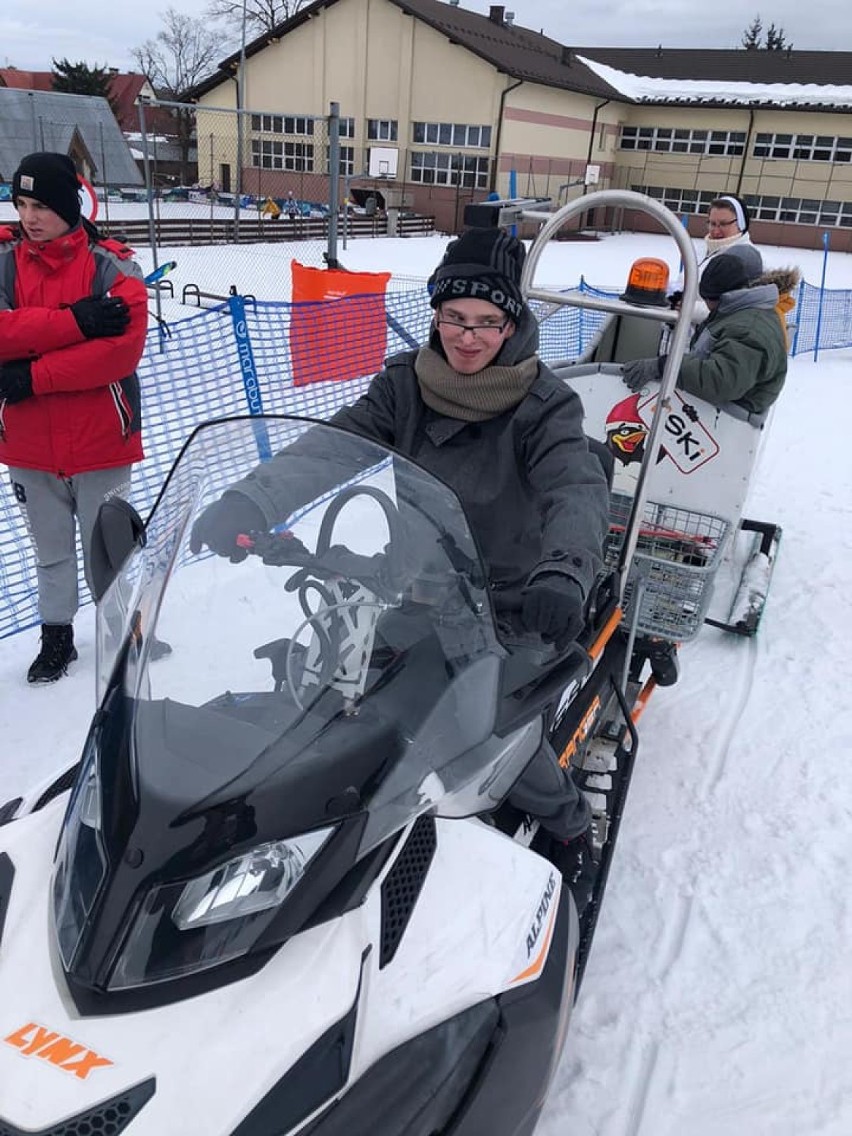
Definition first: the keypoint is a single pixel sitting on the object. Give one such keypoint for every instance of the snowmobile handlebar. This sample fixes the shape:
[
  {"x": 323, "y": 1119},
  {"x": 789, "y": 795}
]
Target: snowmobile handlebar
[{"x": 284, "y": 549}]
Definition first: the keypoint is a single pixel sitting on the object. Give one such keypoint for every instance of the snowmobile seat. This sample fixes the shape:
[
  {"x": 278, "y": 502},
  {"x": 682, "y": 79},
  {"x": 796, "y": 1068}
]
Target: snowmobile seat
[{"x": 622, "y": 339}]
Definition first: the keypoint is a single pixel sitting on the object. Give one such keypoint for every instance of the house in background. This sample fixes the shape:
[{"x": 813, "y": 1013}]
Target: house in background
[
  {"x": 460, "y": 104},
  {"x": 82, "y": 126},
  {"x": 126, "y": 91}
]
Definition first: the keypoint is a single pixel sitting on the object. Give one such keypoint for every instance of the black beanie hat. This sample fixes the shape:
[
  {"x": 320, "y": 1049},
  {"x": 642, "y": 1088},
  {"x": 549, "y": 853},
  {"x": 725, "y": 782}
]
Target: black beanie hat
[
  {"x": 52, "y": 180},
  {"x": 482, "y": 264},
  {"x": 730, "y": 270}
]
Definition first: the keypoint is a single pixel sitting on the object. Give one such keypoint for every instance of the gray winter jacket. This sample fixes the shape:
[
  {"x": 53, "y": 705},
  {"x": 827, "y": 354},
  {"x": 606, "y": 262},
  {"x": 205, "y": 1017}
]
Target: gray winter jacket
[
  {"x": 739, "y": 354},
  {"x": 536, "y": 499}
]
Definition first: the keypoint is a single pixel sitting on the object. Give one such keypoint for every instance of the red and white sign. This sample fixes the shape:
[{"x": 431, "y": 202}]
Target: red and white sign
[
  {"x": 684, "y": 437},
  {"x": 88, "y": 199}
]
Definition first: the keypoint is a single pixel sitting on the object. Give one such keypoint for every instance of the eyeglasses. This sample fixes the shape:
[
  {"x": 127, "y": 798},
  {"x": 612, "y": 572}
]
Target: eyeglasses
[
  {"x": 720, "y": 224},
  {"x": 479, "y": 330}
]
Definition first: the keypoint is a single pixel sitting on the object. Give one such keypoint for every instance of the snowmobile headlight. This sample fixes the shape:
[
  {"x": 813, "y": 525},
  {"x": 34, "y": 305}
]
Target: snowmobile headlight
[
  {"x": 186, "y": 927},
  {"x": 260, "y": 879}
]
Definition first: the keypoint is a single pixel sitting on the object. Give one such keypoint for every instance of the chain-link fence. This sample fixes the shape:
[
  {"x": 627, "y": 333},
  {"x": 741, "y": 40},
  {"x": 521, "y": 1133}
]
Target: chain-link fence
[
  {"x": 216, "y": 176},
  {"x": 221, "y": 177}
]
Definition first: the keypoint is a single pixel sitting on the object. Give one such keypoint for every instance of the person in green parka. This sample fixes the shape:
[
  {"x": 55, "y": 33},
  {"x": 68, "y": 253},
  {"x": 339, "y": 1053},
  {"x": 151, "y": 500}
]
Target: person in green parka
[{"x": 738, "y": 356}]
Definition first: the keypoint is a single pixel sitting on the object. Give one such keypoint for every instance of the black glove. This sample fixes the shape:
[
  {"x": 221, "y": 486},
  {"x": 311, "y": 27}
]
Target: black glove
[
  {"x": 222, "y": 522},
  {"x": 640, "y": 372},
  {"x": 16, "y": 381},
  {"x": 97, "y": 318},
  {"x": 552, "y": 604}
]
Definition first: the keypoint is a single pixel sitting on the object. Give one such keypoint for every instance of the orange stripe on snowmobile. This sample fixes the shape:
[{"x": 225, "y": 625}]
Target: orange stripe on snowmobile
[
  {"x": 606, "y": 633},
  {"x": 538, "y": 962},
  {"x": 642, "y": 699}
]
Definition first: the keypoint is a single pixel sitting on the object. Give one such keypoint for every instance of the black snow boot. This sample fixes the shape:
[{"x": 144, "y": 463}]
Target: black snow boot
[
  {"x": 57, "y": 651},
  {"x": 665, "y": 666},
  {"x": 577, "y": 861}
]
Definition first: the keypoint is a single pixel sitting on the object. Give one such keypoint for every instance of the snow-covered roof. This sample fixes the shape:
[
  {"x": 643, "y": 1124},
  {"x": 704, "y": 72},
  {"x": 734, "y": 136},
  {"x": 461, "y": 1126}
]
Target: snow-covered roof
[{"x": 644, "y": 88}]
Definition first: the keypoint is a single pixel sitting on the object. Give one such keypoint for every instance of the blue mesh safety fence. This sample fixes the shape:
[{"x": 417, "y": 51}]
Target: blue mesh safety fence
[
  {"x": 211, "y": 365},
  {"x": 821, "y": 319}
]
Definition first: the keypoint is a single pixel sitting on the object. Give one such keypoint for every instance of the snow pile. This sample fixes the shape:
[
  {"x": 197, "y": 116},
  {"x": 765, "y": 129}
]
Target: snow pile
[{"x": 643, "y": 88}]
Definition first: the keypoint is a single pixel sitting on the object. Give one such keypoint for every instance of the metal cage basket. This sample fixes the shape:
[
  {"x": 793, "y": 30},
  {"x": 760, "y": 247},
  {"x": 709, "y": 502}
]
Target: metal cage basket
[{"x": 677, "y": 556}]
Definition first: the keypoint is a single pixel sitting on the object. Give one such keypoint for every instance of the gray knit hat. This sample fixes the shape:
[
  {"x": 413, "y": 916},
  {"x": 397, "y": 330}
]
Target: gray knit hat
[{"x": 727, "y": 271}]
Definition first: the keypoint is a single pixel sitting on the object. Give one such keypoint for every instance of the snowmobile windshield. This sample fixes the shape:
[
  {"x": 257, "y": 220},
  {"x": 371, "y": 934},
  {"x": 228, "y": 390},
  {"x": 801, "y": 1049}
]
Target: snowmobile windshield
[{"x": 341, "y": 660}]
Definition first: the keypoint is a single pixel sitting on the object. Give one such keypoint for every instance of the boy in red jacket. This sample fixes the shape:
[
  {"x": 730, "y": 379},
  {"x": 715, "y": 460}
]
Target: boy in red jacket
[{"x": 73, "y": 319}]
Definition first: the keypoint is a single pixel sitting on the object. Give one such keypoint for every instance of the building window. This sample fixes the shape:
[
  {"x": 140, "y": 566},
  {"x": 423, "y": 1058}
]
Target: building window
[
  {"x": 801, "y": 211},
  {"x": 282, "y": 124},
  {"x": 268, "y": 123},
  {"x": 679, "y": 200},
  {"x": 449, "y": 169},
  {"x": 456, "y": 134},
  {"x": 346, "y": 128},
  {"x": 794, "y": 210},
  {"x": 266, "y": 154},
  {"x": 382, "y": 129},
  {"x": 298, "y": 124},
  {"x": 299, "y": 157},
  {"x": 803, "y": 147},
  {"x": 668, "y": 140},
  {"x": 347, "y": 160}
]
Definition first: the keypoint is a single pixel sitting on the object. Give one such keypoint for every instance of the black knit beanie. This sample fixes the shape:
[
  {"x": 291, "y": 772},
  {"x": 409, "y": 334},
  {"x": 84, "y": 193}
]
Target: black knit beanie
[
  {"x": 730, "y": 270},
  {"x": 52, "y": 180},
  {"x": 482, "y": 264}
]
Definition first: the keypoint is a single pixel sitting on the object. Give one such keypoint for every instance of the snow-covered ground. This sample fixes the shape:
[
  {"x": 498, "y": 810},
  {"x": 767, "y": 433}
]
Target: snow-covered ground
[{"x": 718, "y": 996}]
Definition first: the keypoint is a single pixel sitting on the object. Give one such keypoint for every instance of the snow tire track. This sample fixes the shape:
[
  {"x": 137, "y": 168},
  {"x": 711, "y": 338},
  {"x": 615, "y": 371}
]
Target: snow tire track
[
  {"x": 718, "y": 756},
  {"x": 639, "y": 1091},
  {"x": 668, "y": 951}
]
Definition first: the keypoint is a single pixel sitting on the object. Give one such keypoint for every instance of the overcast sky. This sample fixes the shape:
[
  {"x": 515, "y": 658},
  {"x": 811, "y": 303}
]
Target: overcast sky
[{"x": 31, "y": 33}]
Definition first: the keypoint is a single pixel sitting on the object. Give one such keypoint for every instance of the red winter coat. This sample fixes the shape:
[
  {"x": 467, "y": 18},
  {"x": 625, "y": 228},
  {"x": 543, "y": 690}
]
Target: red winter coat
[{"x": 85, "y": 410}]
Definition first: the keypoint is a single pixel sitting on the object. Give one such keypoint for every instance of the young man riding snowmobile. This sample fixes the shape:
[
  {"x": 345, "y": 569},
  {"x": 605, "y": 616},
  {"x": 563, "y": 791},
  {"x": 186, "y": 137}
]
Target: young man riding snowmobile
[{"x": 479, "y": 409}]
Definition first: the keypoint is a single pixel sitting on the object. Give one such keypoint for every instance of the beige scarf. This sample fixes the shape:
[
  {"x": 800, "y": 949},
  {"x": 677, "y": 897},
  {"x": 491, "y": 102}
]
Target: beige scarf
[
  {"x": 472, "y": 398},
  {"x": 714, "y": 245}
]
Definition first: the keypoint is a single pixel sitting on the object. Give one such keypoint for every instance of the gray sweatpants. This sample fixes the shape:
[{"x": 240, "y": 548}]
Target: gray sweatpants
[
  {"x": 52, "y": 507},
  {"x": 549, "y": 793}
]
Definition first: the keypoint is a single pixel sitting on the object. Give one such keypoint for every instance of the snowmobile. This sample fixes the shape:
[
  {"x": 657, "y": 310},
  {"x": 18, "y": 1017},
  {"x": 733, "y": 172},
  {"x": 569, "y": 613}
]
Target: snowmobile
[{"x": 281, "y": 892}]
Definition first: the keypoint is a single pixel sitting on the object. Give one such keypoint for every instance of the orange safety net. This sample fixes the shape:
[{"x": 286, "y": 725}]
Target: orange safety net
[{"x": 338, "y": 325}]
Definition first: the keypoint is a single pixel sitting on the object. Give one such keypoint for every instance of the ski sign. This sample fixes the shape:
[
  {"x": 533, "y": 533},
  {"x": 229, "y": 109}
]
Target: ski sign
[{"x": 685, "y": 438}]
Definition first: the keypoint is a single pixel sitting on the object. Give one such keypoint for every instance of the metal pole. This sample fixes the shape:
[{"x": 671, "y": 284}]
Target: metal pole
[
  {"x": 104, "y": 175},
  {"x": 152, "y": 228},
  {"x": 241, "y": 102},
  {"x": 333, "y": 180},
  {"x": 825, "y": 239},
  {"x": 621, "y": 199}
]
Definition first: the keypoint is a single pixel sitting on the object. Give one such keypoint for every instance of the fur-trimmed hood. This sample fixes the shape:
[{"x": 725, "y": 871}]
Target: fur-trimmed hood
[{"x": 784, "y": 279}]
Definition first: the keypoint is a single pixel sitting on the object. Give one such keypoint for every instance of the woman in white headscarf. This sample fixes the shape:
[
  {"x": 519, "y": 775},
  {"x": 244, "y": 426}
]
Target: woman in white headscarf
[{"x": 727, "y": 225}]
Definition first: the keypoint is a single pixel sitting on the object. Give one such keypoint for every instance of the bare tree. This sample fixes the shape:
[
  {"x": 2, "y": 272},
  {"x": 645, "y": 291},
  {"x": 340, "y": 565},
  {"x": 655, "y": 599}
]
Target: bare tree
[
  {"x": 752, "y": 34},
  {"x": 181, "y": 55},
  {"x": 261, "y": 15}
]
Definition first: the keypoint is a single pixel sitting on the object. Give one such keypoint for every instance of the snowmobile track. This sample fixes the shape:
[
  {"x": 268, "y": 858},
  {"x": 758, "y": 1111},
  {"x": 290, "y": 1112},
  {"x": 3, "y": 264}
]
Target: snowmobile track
[{"x": 727, "y": 727}]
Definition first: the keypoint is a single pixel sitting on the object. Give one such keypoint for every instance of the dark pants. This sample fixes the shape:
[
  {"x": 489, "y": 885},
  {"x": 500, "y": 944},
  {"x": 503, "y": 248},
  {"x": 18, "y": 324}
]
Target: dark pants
[{"x": 549, "y": 794}]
